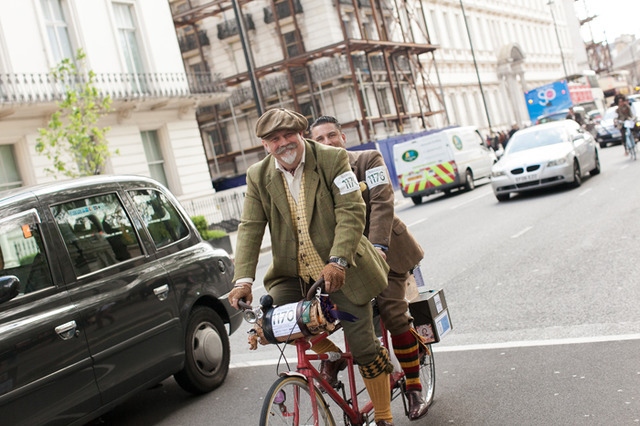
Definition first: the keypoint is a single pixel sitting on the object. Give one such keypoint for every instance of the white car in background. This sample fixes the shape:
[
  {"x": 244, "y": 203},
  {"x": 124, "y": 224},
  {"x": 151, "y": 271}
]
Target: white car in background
[{"x": 545, "y": 155}]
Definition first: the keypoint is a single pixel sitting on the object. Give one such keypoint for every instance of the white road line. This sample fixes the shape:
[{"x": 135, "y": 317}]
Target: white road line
[
  {"x": 417, "y": 222},
  {"x": 469, "y": 201},
  {"x": 486, "y": 346},
  {"x": 532, "y": 343},
  {"x": 521, "y": 233},
  {"x": 584, "y": 192}
]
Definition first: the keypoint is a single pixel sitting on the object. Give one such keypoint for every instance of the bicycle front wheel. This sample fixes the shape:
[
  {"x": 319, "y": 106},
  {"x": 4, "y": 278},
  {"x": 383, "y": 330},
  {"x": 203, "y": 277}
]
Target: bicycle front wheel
[
  {"x": 427, "y": 375},
  {"x": 288, "y": 402}
]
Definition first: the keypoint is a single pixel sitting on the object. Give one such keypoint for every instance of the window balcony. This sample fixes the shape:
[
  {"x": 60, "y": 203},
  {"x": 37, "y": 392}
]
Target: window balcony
[
  {"x": 229, "y": 28},
  {"x": 189, "y": 42},
  {"x": 42, "y": 88},
  {"x": 282, "y": 9}
]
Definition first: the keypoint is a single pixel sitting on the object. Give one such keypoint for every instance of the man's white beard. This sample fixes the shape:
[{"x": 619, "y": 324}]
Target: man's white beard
[{"x": 289, "y": 157}]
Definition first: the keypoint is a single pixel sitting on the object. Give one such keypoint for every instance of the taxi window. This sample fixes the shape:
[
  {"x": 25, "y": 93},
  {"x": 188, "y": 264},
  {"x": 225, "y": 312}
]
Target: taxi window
[
  {"x": 97, "y": 232},
  {"x": 22, "y": 253},
  {"x": 160, "y": 216}
]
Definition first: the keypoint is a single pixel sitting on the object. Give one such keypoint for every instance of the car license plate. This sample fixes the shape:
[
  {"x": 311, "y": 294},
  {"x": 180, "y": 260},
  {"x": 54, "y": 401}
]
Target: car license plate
[{"x": 527, "y": 178}]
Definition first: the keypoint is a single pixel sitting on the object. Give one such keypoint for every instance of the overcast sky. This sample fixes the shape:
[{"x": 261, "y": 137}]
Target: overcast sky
[{"x": 615, "y": 17}]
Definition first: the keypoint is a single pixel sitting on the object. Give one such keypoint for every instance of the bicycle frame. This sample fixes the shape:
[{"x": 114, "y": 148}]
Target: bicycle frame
[{"x": 306, "y": 369}]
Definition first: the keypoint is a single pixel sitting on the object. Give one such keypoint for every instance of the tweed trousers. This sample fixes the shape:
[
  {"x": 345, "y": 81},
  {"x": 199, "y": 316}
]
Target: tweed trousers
[{"x": 360, "y": 334}]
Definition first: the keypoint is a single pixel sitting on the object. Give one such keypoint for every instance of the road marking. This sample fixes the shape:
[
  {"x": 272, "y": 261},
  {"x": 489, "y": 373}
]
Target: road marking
[
  {"x": 533, "y": 343},
  {"x": 485, "y": 346},
  {"x": 584, "y": 192},
  {"x": 417, "y": 222},
  {"x": 469, "y": 201},
  {"x": 521, "y": 233}
]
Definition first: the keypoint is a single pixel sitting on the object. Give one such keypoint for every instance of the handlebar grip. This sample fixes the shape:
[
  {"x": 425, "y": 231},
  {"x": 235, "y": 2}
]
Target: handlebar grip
[
  {"x": 312, "y": 291},
  {"x": 244, "y": 305}
]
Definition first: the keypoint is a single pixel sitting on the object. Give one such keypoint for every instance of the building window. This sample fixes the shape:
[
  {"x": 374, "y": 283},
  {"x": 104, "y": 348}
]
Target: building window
[
  {"x": 384, "y": 101},
  {"x": 291, "y": 44},
  {"x": 218, "y": 144},
  {"x": 9, "y": 176},
  {"x": 57, "y": 30},
  {"x": 126, "y": 29},
  {"x": 155, "y": 159}
]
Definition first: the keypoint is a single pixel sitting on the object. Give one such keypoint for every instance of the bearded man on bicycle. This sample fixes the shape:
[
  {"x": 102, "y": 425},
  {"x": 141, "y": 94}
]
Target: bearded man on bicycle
[
  {"x": 395, "y": 243},
  {"x": 310, "y": 198}
]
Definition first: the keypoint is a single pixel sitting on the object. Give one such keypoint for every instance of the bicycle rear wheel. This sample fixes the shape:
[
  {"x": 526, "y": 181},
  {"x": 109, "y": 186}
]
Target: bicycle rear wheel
[
  {"x": 288, "y": 402},
  {"x": 428, "y": 375}
]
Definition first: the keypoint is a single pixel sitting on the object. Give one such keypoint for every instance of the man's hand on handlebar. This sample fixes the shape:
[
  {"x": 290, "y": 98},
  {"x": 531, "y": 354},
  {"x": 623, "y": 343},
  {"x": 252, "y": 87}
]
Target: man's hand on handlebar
[
  {"x": 240, "y": 291},
  {"x": 333, "y": 275}
]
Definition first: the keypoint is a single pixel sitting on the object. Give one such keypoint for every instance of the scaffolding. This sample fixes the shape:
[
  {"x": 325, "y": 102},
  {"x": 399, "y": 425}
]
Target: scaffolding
[{"x": 385, "y": 50}]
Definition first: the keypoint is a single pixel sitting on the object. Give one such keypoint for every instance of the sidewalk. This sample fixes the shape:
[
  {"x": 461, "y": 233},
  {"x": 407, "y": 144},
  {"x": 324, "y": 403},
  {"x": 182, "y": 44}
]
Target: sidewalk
[{"x": 266, "y": 241}]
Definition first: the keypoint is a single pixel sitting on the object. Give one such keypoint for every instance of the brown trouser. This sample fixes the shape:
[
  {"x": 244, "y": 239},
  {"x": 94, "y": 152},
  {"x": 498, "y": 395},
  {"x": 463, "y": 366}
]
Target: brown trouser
[{"x": 393, "y": 306}]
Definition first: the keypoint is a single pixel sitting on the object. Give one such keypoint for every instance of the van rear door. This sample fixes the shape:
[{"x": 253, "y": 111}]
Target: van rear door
[{"x": 425, "y": 165}]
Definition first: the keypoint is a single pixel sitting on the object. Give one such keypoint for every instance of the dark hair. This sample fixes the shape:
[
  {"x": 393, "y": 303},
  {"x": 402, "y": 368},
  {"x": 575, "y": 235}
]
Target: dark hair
[
  {"x": 618, "y": 97},
  {"x": 326, "y": 119}
]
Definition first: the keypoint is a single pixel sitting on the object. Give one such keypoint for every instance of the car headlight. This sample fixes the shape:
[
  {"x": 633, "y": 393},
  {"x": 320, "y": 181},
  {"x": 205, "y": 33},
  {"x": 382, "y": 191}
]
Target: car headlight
[
  {"x": 558, "y": 162},
  {"x": 498, "y": 173}
]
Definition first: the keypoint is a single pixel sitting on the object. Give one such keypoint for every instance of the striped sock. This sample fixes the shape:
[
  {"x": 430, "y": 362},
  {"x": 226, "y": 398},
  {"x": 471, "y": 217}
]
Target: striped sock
[{"x": 405, "y": 346}]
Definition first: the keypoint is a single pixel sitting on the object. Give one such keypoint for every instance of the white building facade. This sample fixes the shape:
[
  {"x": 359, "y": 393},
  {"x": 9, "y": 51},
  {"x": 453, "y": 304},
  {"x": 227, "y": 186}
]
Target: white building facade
[
  {"x": 132, "y": 48},
  {"x": 382, "y": 67}
]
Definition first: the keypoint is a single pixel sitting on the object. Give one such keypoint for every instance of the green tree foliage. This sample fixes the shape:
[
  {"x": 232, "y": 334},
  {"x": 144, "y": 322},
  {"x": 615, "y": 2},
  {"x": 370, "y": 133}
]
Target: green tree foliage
[{"x": 72, "y": 132}]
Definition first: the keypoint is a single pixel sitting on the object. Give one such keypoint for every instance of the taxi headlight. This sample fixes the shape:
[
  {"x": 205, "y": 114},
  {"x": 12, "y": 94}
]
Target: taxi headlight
[{"x": 498, "y": 173}]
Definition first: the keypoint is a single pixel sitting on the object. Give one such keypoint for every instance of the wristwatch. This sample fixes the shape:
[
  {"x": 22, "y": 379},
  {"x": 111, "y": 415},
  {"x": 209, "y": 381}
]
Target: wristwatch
[{"x": 340, "y": 261}]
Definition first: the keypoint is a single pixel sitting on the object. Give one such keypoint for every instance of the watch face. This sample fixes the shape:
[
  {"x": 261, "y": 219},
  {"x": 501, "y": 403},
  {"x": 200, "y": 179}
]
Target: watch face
[{"x": 340, "y": 261}]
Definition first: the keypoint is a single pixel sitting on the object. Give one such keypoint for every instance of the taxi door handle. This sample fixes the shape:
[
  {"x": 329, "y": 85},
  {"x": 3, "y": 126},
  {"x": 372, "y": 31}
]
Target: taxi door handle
[
  {"x": 161, "y": 292},
  {"x": 67, "y": 330}
]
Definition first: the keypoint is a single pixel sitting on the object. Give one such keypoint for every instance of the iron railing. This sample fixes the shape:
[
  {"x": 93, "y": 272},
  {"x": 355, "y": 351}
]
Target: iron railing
[
  {"x": 41, "y": 87},
  {"x": 222, "y": 210}
]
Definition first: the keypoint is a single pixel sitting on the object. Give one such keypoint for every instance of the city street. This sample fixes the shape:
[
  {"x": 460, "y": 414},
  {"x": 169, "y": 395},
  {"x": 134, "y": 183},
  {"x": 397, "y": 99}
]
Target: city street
[{"x": 542, "y": 292}]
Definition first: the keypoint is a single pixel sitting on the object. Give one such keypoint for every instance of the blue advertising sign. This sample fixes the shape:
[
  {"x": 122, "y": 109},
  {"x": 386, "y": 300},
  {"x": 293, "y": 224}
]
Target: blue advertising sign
[{"x": 546, "y": 99}]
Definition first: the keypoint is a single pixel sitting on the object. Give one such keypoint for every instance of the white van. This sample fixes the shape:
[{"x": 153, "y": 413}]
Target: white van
[{"x": 442, "y": 161}]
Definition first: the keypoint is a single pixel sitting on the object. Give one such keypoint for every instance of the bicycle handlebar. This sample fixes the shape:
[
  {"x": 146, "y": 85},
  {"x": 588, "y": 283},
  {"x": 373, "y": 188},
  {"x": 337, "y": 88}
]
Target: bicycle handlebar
[{"x": 314, "y": 288}]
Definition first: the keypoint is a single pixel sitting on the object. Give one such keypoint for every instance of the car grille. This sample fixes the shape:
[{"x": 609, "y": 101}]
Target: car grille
[{"x": 520, "y": 170}]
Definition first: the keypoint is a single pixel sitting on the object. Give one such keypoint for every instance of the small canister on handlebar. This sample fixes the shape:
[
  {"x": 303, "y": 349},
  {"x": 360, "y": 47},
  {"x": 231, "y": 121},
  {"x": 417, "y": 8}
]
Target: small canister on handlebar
[{"x": 295, "y": 320}]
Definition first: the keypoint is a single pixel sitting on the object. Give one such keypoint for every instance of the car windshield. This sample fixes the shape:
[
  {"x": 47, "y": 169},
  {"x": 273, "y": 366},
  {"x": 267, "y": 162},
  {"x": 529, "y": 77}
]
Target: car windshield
[{"x": 521, "y": 141}]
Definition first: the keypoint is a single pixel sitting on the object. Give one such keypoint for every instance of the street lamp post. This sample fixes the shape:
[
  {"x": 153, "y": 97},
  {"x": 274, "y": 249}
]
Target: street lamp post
[
  {"x": 555, "y": 26},
  {"x": 475, "y": 64}
]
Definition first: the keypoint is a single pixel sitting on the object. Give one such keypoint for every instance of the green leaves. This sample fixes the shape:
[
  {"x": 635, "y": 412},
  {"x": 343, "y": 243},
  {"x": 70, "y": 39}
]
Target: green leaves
[{"x": 73, "y": 140}]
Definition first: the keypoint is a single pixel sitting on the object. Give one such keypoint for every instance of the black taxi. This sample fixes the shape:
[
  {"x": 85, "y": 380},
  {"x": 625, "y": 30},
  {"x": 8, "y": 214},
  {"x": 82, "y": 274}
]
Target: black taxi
[{"x": 106, "y": 288}]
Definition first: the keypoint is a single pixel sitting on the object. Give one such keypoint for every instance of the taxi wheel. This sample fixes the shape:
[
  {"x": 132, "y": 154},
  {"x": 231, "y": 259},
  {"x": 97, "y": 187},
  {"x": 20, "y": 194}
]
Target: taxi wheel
[{"x": 207, "y": 352}]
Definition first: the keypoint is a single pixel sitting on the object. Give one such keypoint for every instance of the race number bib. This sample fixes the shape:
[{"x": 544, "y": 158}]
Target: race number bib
[
  {"x": 347, "y": 183},
  {"x": 377, "y": 176},
  {"x": 283, "y": 320}
]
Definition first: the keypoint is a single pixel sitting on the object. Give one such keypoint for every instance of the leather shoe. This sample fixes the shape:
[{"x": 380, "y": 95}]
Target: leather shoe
[
  {"x": 329, "y": 370},
  {"x": 384, "y": 423},
  {"x": 417, "y": 406}
]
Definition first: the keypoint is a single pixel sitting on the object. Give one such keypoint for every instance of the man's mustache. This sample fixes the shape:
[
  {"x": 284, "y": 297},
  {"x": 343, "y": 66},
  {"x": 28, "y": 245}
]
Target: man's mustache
[{"x": 284, "y": 148}]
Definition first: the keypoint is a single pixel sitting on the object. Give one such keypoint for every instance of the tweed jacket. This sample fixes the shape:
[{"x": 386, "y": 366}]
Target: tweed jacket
[
  {"x": 336, "y": 224},
  {"x": 383, "y": 226}
]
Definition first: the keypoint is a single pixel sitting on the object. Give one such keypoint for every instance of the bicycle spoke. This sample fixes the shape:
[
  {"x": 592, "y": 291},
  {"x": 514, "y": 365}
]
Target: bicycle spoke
[{"x": 289, "y": 402}]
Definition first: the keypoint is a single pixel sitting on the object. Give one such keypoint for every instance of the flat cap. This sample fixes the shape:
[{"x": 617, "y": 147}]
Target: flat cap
[{"x": 280, "y": 119}]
